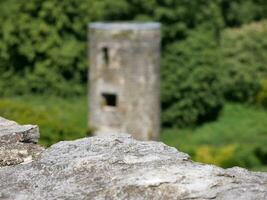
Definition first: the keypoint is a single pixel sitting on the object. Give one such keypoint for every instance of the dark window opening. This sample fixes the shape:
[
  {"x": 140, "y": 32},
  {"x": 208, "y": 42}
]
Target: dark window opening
[
  {"x": 105, "y": 55},
  {"x": 110, "y": 99}
]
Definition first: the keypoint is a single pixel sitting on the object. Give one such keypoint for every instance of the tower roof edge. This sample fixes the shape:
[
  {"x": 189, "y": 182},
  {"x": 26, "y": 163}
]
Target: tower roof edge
[{"x": 125, "y": 25}]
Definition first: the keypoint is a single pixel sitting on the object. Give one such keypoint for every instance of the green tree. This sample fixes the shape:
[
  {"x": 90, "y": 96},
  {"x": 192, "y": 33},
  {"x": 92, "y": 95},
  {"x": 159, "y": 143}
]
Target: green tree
[
  {"x": 191, "y": 89},
  {"x": 43, "y": 44}
]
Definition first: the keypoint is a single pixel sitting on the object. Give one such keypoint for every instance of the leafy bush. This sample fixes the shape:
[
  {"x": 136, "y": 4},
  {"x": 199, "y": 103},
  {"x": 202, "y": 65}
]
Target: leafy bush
[
  {"x": 191, "y": 90},
  {"x": 262, "y": 95},
  {"x": 238, "y": 12},
  {"x": 222, "y": 156},
  {"x": 244, "y": 53},
  {"x": 231, "y": 155}
]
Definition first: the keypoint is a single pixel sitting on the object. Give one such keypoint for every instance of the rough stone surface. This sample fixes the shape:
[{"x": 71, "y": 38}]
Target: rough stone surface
[
  {"x": 18, "y": 142},
  {"x": 125, "y": 79},
  {"x": 119, "y": 167}
]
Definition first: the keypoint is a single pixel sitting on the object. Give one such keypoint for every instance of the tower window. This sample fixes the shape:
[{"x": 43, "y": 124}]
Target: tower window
[
  {"x": 110, "y": 99},
  {"x": 105, "y": 52}
]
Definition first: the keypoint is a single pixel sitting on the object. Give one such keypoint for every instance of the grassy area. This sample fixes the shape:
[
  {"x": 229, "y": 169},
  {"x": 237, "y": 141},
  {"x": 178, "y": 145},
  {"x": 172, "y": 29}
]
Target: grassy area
[
  {"x": 238, "y": 137},
  {"x": 58, "y": 118}
]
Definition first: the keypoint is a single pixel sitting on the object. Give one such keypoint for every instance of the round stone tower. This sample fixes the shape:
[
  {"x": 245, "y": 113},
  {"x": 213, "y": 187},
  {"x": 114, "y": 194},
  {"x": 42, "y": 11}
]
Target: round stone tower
[{"x": 124, "y": 79}]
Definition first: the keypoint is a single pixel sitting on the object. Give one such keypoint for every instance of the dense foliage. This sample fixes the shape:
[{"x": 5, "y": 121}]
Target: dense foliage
[
  {"x": 191, "y": 90},
  {"x": 262, "y": 95},
  {"x": 244, "y": 66},
  {"x": 43, "y": 50},
  {"x": 43, "y": 45}
]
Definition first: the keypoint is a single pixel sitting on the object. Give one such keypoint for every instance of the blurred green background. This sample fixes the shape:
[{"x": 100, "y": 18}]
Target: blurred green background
[{"x": 213, "y": 70}]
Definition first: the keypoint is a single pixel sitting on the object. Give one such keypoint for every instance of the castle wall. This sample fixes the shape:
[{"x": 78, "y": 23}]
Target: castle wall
[{"x": 125, "y": 79}]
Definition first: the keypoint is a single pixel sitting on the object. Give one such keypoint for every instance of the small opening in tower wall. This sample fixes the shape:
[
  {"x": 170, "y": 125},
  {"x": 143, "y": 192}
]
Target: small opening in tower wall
[
  {"x": 110, "y": 99},
  {"x": 105, "y": 52}
]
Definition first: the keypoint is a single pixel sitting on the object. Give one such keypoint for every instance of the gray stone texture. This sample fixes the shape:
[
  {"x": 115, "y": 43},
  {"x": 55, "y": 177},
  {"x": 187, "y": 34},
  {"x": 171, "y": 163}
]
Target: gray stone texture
[
  {"x": 18, "y": 143},
  {"x": 125, "y": 62},
  {"x": 119, "y": 167}
]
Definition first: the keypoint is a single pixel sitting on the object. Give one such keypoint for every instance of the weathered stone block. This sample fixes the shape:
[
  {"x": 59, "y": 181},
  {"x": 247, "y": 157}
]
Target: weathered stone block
[
  {"x": 119, "y": 167},
  {"x": 18, "y": 142}
]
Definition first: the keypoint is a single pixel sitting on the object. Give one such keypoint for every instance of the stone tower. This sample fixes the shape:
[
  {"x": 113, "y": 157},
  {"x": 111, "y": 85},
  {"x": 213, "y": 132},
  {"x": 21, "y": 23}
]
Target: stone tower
[{"x": 125, "y": 79}]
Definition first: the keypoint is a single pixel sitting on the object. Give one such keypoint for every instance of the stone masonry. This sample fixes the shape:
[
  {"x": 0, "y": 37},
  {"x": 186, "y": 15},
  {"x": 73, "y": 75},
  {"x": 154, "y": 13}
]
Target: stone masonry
[{"x": 125, "y": 79}]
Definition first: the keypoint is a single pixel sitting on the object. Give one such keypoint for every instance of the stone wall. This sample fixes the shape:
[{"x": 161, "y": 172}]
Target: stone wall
[{"x": 118, "y": 167}]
